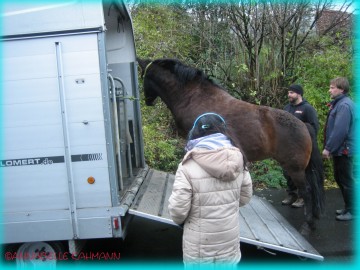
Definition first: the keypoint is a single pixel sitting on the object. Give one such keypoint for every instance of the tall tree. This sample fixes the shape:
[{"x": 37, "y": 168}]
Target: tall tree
[{"x": 272, "y": 34}]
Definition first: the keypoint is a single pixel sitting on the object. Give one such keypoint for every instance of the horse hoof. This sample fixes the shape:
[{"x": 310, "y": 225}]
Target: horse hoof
[
  {"x": 304, "y": 231},
  {"x": 307, "y": 228}
]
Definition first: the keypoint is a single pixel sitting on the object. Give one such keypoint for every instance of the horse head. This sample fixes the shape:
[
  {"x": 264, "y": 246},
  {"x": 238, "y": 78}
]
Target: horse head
[
  {"x": 155, "y": 75},
  {"x": 149, "y": 93},
  {"x": 164, "y": 77}
]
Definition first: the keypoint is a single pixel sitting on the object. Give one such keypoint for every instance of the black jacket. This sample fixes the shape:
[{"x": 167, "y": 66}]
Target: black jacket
[{"x": 305, "y": 112}]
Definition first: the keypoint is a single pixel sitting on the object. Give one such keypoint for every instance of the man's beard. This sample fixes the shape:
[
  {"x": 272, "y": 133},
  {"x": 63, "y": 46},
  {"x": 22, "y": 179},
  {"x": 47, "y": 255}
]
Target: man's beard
[{"x": 293, "y": 100}]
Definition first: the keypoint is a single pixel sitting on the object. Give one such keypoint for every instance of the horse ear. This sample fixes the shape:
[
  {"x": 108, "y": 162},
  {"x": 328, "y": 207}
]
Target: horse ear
[{"x": 142, "y": 63}]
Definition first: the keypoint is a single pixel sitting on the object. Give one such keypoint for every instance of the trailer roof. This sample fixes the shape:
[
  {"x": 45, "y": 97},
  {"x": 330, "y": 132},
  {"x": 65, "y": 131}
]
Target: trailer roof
[{"x": 26, "y": 18}]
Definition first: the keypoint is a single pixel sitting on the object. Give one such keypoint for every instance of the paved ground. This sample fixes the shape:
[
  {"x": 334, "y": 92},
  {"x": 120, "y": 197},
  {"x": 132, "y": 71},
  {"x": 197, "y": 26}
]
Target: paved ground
[{"x": 335, "y": 240}]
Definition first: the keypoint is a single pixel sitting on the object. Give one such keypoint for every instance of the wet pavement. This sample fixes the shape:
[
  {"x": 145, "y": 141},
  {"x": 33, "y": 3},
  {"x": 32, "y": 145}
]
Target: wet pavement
[
  {"x": 153, "y": 242},
  {"x": 334, "y": 240}
]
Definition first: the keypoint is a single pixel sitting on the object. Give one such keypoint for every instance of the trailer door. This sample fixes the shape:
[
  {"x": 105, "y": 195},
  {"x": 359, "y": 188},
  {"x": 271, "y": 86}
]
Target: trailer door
[{"x": 54, "y": 138}]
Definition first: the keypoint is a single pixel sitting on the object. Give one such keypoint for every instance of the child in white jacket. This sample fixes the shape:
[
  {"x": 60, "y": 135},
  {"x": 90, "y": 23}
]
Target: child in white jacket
[{"x": 211, "y": 183}]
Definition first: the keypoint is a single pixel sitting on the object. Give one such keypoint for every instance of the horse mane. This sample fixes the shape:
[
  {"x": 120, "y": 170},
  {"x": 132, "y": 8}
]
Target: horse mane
[{"x": 185, "y": 73}]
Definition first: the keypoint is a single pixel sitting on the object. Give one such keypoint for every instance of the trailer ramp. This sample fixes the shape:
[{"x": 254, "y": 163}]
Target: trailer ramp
[{"x": 260, "y": 224}]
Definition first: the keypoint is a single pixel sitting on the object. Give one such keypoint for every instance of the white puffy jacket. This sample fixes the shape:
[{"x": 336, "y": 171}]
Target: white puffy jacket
[{"x": 209, "y": 187}]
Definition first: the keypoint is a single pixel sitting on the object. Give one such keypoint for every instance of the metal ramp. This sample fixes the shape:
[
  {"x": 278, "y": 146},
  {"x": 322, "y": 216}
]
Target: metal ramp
[{"x": 260, "y": 223}]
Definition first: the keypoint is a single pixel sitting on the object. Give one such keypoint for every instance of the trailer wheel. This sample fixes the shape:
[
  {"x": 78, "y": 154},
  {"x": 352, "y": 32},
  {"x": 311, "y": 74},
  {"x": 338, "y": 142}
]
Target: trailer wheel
[{"x": 39, "y": 254}]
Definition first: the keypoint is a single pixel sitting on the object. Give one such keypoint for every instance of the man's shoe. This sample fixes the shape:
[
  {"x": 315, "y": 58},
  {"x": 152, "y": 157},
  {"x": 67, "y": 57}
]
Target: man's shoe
[
  {"x": 289, "y": 200},
  {"x": 299, "y": 203},
  {"x": 345, "y": 217},
  {"x": 340, "y": 211}
]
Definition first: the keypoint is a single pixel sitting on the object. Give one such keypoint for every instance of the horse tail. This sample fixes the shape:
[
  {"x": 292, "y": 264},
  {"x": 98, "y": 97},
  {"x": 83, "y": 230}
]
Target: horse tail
[{"x": 315, "y": 176}]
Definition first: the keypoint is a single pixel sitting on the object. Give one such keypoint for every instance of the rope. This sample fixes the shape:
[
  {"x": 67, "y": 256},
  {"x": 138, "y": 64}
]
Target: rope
[{"x": 146, "y": 68}]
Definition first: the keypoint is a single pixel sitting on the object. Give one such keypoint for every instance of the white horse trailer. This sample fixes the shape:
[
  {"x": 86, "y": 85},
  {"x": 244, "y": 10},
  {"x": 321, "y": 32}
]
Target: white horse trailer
[
  {"x": 72, "y": 151},
  {"x": 72, "y": 160}
]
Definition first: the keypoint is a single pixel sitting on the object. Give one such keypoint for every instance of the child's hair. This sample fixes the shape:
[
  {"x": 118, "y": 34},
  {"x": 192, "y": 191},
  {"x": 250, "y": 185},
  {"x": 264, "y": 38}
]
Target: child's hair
[
  {"x": 211, "y": 123},
  {"x": 207, "y": 124}
]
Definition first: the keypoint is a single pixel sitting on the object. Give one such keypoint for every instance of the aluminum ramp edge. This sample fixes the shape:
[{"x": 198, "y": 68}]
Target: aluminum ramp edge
[
  {"x": 260, "y": 244},
  {"x": 152, "y": 217},
  {"x": 260, "y": 223}
]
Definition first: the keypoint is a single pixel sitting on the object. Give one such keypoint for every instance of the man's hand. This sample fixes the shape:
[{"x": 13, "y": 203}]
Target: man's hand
[{"x": 326, "y": 154}]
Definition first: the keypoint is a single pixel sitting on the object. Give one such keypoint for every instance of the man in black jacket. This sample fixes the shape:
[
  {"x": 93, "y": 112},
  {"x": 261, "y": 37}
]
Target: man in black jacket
[{"x": 300, "y": 108}]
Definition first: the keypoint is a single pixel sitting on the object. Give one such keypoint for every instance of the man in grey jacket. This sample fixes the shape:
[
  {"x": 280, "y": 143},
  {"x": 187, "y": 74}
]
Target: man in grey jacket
[{"x": 339, "y": 143}]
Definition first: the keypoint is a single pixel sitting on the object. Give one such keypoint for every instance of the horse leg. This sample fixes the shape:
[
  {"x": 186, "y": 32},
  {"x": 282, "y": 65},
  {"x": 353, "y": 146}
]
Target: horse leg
[
  {"x": 309, "y": 224},
  {"x": 299, "y": 179}
]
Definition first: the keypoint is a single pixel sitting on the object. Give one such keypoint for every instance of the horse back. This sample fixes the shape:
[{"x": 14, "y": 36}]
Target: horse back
[{"x": 265, "y": 132}]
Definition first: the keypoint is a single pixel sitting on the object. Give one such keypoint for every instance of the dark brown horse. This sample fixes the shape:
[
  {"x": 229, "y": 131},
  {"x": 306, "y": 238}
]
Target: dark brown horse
[{"x": 262, "y": 132}]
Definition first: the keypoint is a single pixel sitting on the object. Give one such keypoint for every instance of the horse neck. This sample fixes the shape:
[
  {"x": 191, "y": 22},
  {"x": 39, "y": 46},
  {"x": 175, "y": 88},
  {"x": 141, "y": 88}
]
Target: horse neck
[
  {"x": 172, "y": 96},
  {"x": 177, "y": 99}
]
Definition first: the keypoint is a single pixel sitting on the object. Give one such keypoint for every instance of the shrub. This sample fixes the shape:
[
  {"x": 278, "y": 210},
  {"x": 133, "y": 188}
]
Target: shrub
[{"x": 267, "y": 173}]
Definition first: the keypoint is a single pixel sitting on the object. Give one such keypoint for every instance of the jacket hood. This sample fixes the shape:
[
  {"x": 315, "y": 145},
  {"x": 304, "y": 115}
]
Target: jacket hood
[{"x": 224, "y": 163}]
